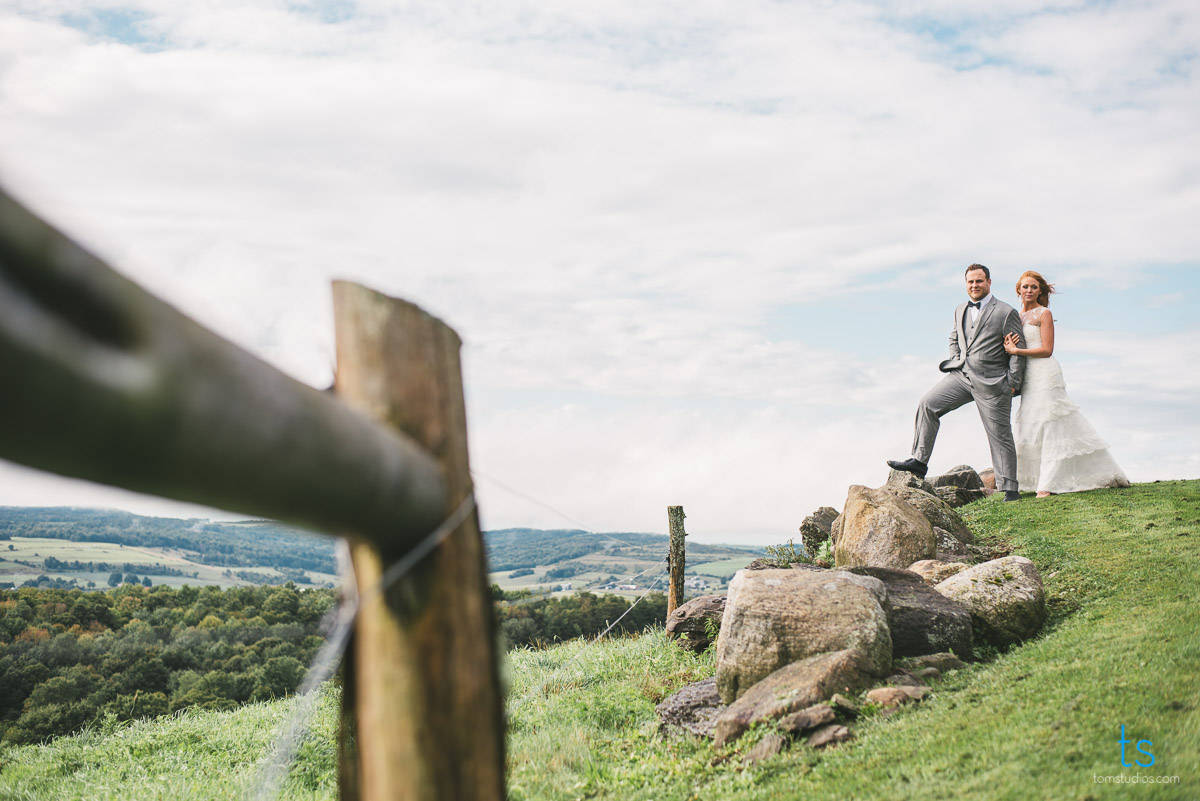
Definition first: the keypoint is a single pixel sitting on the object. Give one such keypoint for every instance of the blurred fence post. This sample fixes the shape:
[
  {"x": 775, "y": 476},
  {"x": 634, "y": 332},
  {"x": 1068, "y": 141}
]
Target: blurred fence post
[
  {"x": 425, "y": 685},
  {"x": 676, "y": 557}
]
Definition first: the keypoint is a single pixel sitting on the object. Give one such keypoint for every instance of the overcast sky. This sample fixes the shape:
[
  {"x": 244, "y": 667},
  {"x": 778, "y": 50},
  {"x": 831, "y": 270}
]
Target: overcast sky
[{"x": 699, "y": 253}]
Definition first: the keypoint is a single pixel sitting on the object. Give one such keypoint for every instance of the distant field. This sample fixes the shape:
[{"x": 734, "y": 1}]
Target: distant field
[
  {"x": 36, "y": 549},
  {"x": 723, "y": 569}
]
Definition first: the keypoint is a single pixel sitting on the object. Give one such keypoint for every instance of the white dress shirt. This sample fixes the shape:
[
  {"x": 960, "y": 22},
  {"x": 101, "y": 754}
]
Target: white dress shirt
[{"x": 973, "y": 313}]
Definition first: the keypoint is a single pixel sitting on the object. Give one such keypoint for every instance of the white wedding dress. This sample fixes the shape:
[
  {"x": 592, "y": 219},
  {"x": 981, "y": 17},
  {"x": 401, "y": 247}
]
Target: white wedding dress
[{"x": 1057, "y": 449}]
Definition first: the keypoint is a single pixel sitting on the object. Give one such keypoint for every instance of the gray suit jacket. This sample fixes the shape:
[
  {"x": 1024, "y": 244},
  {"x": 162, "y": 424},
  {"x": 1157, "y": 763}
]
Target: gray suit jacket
[{"x": 982, "y": 356}]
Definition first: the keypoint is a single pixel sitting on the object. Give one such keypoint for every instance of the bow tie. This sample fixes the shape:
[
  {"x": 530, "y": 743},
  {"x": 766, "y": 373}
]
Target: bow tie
[{"x": 974, "y": 303}]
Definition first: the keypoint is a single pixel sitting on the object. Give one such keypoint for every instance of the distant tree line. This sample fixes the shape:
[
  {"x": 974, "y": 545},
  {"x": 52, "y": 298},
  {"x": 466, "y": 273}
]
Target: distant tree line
[
  {"x": 69, "y": 657},
  {"x": 529, "y": 619},
  {"x": 156, "y": 569}
]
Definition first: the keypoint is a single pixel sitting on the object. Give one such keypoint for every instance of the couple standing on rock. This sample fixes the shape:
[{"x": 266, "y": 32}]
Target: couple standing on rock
[{"x": 996, "y": 353}]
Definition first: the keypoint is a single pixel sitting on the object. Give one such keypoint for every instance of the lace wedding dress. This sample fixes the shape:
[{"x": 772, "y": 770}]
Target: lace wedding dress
[{"x": 1057, "y": 449}]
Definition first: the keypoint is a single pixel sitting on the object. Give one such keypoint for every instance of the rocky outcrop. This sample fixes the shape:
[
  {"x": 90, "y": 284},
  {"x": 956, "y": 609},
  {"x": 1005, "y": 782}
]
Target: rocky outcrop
[
  {"x": 987, "y": 477},
  {"x": 936, "y": 570},
  {"x": 921, "y": 620},
  {"x": 1005, "y": 597},
  {"x": 937, "y": 512},
  {"x": 690, "y": 623},
  {"x": 815, "y": 529},
  {"x": 777, "y": 617},
  {"x": 949, "y": 547},
  {"x": 793, "y": 687},
  {"x": 694, "y": 708},
  {"x": 881, "y": 529},
  {"x": 958, "y": 486}
]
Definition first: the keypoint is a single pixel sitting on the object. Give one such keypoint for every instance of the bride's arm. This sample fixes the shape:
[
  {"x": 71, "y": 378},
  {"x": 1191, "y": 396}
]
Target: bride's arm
[{"x": 1046, "y": 323}]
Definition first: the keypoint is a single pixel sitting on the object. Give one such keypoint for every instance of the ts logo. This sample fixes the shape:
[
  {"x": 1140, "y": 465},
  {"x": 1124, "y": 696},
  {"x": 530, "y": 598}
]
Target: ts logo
[{"x": 1140, "y": 743}]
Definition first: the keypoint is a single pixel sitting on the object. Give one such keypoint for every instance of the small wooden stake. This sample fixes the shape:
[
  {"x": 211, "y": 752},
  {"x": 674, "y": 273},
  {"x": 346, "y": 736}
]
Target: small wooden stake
[
  {"x": 676, "y": 557},
  {"x": 428, "y": 707}
]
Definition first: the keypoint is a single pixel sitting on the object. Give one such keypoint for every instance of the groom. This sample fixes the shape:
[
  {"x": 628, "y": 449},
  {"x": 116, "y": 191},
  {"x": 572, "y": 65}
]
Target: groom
[{"x": 978, "y": 370}]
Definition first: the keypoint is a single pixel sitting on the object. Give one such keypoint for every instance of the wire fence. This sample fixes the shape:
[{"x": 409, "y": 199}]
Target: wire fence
[{"x": 339, "y": 623}]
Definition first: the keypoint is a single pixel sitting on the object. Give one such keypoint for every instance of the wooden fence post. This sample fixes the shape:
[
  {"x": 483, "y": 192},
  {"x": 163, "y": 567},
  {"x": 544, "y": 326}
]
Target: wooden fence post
[
  {"x": 428, "y": 708},
  {"x": 676, "y": 557}
]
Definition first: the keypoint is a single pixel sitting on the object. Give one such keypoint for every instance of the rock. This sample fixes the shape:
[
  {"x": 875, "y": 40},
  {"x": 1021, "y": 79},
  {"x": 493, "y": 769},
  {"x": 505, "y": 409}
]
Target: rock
[
  {"x": 881, "y": 529},
  {"x": 768, "y": 746},
  {"x": 694, "y": 708},
  {"x": 987, "y": 477},
  {"x": 942, "y": 662},
  {"x": 955, "y": 497},
  {"x": 815, "y": 529},
  {"x": 929, "y": 673},
  {"x": 793, "y": 687},
  {"x": 904, "y": 680},
  {"x": 899, "y": 479},
  {"x": 828, "y": 735},
  {"x": 888, "y": 697},
  {"x": 935, "y": 570},
  {"x": 844, "y": 706},
  {"x": 835, "y": 528},
  {"x": 775, "y": 617},
  {"x": 963, "y": 476},
  {"x": 938, "y": 513},
  {"x": 921, "y": 620},
  {"x": 1005, "y": 597},
  {"x": 809, "y": 718},
  {"x": 693, "y": 620},
  {"x": 769, "y": 563},
  {"x": 949, "y": 548}
]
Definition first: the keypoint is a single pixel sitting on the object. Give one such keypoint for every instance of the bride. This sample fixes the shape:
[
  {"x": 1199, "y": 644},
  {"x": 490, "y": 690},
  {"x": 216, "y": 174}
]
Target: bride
[{"x": 1057, "y": 449}]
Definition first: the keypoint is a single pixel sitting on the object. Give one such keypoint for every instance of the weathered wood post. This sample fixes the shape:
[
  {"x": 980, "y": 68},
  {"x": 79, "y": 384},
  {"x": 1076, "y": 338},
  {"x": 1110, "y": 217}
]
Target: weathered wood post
[
  {"x": 428, "y": 707},
  {"x": 676, "y": 557}
]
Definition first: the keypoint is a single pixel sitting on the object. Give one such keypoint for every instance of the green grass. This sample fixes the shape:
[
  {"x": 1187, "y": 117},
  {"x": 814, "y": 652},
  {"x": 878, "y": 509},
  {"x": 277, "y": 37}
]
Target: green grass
[{"x": 1122, "y": 647}]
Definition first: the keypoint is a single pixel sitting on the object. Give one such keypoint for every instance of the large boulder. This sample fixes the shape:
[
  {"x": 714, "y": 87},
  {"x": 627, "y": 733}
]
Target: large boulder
[
  {"x": 955, "y": 497},
  {"x": 690, "y": 622},
  {"x": 694, "y": 708},
  {"x": 879, "y": 528},
  {"x": 1005, "y": 596},
  {"x": 921, "y": 620},
  {"x": 934, "y": 571},
  {"x": 776, "y": 617},
  {"x": 793, "y": 687},
  {"x": 949, "y": 547},
  {"x": 937, "y": 512},
  {"x": 963, "y": 476},
  {"x": 898, "y": 479},
  {"x": 815, "y": 529}
]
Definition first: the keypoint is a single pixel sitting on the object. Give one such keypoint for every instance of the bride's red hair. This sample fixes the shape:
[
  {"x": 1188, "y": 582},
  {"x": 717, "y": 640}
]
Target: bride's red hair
[{"x": 1046, "y": 286}]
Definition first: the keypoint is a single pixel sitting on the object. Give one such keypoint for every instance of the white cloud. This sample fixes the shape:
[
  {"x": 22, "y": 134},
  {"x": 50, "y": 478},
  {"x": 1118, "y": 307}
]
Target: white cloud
[{"x": 611, "y": 201}]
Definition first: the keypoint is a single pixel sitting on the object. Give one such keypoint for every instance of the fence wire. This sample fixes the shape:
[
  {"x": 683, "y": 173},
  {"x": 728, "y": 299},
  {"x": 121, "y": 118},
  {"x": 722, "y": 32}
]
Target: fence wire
[{"x": 339, "y": 622}]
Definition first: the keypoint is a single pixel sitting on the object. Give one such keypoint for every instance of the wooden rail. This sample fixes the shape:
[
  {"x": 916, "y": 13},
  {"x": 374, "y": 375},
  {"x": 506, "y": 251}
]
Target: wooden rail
[{"x": 105, "y": 382}]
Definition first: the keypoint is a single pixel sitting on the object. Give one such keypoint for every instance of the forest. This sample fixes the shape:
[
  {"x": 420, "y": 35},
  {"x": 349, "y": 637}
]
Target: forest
[{"x": 69, "y": 658}]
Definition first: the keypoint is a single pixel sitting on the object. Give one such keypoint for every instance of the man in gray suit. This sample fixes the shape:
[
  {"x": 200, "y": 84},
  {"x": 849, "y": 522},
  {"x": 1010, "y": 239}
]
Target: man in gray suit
[{"x": 978, "y": 370}]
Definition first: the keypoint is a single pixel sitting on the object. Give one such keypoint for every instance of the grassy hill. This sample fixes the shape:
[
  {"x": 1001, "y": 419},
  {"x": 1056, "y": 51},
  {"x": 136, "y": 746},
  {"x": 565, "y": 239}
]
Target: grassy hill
[
  {"x": 1041, "y": 721},
  {"x": 537, "y": 559}
]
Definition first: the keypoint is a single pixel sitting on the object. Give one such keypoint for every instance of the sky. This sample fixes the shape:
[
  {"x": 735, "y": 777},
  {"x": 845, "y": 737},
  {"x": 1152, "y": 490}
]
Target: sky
[{"x": 700, "y": 254}]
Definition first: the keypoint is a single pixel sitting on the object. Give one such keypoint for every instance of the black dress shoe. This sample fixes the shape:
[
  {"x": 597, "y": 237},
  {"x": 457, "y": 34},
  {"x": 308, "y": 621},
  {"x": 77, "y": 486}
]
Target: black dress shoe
[
  {"x": 1012, "y": 495},
  {"x": 918, "y": 469}
]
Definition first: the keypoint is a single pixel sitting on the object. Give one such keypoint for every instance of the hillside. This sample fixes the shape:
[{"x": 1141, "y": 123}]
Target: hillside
[
  {"x": 1040, "y": 721},
  {"x": 73, "y": 547}
]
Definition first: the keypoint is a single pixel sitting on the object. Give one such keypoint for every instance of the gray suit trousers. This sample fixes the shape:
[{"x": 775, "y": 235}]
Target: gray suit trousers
[{"x": 995, "y": 410}]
